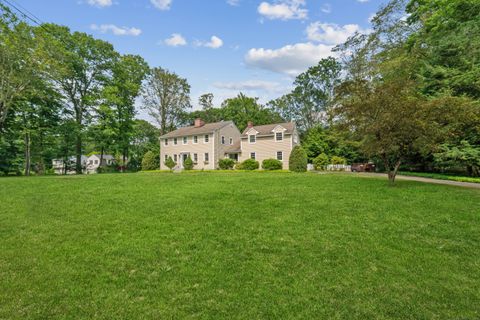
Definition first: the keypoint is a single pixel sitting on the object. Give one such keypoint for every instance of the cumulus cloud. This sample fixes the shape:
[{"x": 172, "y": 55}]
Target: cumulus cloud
[
  {"x": 161, "y": 4},
  {"x": 331, "y": 33},
  {"x": 100, "y": 3},
  {"x": 175, "y": 40},
  {"x": 118, "y": 31},
  {"x": 214, "y": 43},
  {"x": 283, "y": 10},
  {"x": 290, "y": 59}
]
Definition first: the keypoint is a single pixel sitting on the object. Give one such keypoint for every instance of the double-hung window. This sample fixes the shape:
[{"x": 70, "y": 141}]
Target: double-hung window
[
  {"x": 278, "y": 136},
  {"x": 206, "y": 157},
  {"x": 206, "y": 138},
  {"x": 175, "y": 141},
  {"x": 195, "y": 139},
  {"x": 223, "y": 139},
  {"x": 280, "y": 155},
  {"x": 231, "y": 140},
  {"x": 166, "y": 142},
  {"x": 252, "y": 138},
  {"x": 195, "y": 158},
  {"x": 175, "y": 158},
  {"x": 185, "y": 139},
  {"x": 252, "y": 155},
  {"x": 166, "y": 157}
]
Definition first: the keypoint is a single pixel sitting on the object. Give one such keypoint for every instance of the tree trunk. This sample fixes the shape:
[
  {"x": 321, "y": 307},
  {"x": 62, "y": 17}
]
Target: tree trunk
[
  {"x": 102, "y": 150},
  {"x": 27, "y": 154},
  {"x": 392, "y": 173},
  {"x": 78, "y": 151}
]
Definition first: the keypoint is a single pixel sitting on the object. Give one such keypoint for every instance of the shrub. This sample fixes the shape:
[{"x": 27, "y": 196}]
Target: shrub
[
  {"x": 188, "y": 163},
  {"x": 338, "y": 160},
  {"x": 226, "y": 164},
  {"x": 249, "y": 164},
  {"x": 150, "y": 161},
  {"x": 321, "y": 161},
  {"x": 170, "y": 163},
  {"x": 298, "y": 160},
  {"x": 272, "y": 164}
]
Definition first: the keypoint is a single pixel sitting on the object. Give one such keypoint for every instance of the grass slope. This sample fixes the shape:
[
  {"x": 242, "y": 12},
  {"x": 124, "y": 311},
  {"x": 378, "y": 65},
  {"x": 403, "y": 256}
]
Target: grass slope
[{"x": 237, "y": 246}]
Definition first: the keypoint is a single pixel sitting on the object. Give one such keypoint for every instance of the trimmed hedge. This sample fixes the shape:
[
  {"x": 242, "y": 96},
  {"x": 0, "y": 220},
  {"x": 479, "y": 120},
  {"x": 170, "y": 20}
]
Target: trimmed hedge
[
  {"x": 298, "y": 160},
  {"x": 249, "y": 164},
  {"x": 272, "y": 164},
  {"x": 188, "y": 163},
  {"x": 170, "y": 163},
  {"x": 226, "y": 164},
  {"x": 321, "y": 162},
  {"x": 338, "y": 160}
]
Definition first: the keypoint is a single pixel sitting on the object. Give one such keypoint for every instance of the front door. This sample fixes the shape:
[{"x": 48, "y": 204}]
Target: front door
[{"x": 184, "y": 157}]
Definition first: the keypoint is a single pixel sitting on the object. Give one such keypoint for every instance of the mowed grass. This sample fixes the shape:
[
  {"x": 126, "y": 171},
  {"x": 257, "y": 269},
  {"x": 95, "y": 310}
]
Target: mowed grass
[{"x": 237, "y": 246}]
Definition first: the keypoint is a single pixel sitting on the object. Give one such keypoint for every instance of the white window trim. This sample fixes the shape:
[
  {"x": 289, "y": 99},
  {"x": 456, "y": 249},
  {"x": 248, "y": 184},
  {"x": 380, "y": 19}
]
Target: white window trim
[
  {"x": 183, "y": 140},
  {"x": 276, "y": 155},
  {"x": 283, "y": 136},
  {"x": 254, "y": 155},
  {"x": 222, "y": 140},
  {"x": 193, "y": 140},
  {"x": 250, "y": 142},
  {"x": 165, "y": 142},
  {"x": 206, "y": 135},
  {"x": 175, "y": 141}
]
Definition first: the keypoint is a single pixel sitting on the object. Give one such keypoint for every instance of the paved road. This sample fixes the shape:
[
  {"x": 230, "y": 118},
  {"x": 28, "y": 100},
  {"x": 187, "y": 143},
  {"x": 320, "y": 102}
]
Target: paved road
[{"x": 421, "y": 179}]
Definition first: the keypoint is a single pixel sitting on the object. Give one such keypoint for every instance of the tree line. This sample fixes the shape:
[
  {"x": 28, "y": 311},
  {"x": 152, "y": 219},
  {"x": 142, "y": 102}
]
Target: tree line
[{"x": 405, "y": 95}]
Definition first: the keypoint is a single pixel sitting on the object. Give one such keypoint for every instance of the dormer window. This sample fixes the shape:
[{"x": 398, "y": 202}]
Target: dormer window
[
  {"x": 278, "y": 136},
  {"x": 252, "y": 138}
]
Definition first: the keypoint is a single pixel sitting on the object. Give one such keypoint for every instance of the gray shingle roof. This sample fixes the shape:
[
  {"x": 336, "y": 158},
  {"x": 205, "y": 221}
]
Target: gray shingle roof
[
  {"x": 234, "y": 148},
  {"x": 264, "y": 130},
  {"x": 192, "y": 131}
]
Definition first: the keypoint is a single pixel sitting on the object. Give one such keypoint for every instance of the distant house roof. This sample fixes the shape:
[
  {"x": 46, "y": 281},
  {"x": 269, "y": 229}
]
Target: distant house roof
[
  {"x": 192, "y": 130},
  {"x": 267, "y": 130},
  {"x": 105, "y": 156},
  {"x": 234, "y": 148}
]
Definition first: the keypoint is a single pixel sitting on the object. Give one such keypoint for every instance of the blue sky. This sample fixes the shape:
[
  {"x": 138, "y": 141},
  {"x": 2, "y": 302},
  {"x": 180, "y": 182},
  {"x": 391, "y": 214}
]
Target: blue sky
[{"x": 220, "y": 46}]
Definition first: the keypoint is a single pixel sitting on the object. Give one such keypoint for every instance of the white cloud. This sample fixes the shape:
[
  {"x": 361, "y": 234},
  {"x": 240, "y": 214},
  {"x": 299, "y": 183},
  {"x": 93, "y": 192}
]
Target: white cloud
[
  {"x": 249, "y": 85},
  {"x": 175, "y": 40},
  {"x": 326, "y": 8},
  {"x": 331, "y": 33},
  {"x": 161, "y": 4},
  {"x": 233, "y": 2},
  {"x": 118, "y": 31},
  {"x": 363, "y": 1},
  {"x": 100, "y": 3},
  {"x": 283, "y": 9},
  {"x": 290, "y": 59},
  {"x": 214, "y": 43}
]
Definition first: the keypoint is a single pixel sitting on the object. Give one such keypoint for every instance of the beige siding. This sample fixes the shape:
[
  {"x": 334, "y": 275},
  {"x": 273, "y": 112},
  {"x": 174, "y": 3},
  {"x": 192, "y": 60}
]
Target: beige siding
[
  {"x": 230, "y": 131},
  {"x": 199, "y": 148},
  {"x": 266, "y": 148}
]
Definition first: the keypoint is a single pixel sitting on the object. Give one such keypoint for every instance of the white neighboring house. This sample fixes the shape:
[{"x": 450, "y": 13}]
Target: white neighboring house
[
  {"x": 93, "y": 162},
  {"x": 60, "y": 166}
]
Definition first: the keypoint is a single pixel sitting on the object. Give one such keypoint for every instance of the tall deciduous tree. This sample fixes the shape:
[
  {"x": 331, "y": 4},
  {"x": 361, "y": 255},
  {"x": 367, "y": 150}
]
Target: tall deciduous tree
[
  {"x": 79, "y": 65},
  {"x": 206, "y": 101},
  {"x": 166, "y": 96}
]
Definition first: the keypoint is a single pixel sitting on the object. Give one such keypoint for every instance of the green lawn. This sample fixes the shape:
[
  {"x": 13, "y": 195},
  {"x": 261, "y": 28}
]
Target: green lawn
[
  {"x": 441, "y": 176},
  {"x": 237, "y": 246}
]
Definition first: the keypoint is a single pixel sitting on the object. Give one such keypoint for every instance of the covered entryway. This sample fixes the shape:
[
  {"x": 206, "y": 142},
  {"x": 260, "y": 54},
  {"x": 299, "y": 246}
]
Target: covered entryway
[{"x": 183, "y": 157}]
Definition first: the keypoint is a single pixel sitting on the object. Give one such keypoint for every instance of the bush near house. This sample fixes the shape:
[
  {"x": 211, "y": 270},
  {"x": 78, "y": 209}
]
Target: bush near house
[
  {"x": 321, "y": 161},
  {"x": 170, "y": 163},
  {"x": 226, "y": 164},
  {"x": 338, "y": 160},
  {"x": 298, "y": 160},
  {"x": 188, "y": 163},
  {"x": 249, "y": 164},
  {"x": 272, "y": 164},
  {"x": 150, "y": 161}
]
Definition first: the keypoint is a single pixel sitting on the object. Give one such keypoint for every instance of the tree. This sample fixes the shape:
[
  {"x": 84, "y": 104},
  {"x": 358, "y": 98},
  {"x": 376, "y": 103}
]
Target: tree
[
  {"x": 242, "y": 109},
  {"x": 188, "y": 163},
  {"x": 144, "y": 138},
  {"x": 226, "y": 164},
  {"x": 79, "y": 65},
  {"x": 150, "y": 161},
  {"x": 206, "y": 101},
  {"x": 166, "y": 96},
  {"x": 321, "y": 162},
  {"x": 464, "y": 155},
  {"x": 312, "y": 97},
  {"x": 170, "y": 163},
  {"x": 272, "y": 164},
  {"x": 120, "y": 93},
  {"x": 298, "y": 160},
  {"x": 19, "y": 61}
]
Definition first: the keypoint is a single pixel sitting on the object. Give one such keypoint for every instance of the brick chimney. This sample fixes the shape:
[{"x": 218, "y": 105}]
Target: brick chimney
[
  {"x": 199, "y": 123},
  {"x": 250, "y": 124}
]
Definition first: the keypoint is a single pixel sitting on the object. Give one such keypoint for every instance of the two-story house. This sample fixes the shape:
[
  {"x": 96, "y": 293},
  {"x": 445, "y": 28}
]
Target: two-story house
[
  {"x": 271, "y": 141},
  {"x": 205, "y": 143}
]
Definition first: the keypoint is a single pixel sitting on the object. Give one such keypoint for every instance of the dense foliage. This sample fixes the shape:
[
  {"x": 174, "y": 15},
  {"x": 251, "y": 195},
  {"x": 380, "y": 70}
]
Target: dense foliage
[
  {"x": 321, "y": 162},
  {"x": 188, "y": 163},
  {"x": 249, "y": 164},
  {"x": 226, "y": 164},
  {"x": 170, "y": 163},
  {"x": 298, "y": 160},
  {"x": 272, "y": 164},
  {"x": 150, "y": 161}
]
